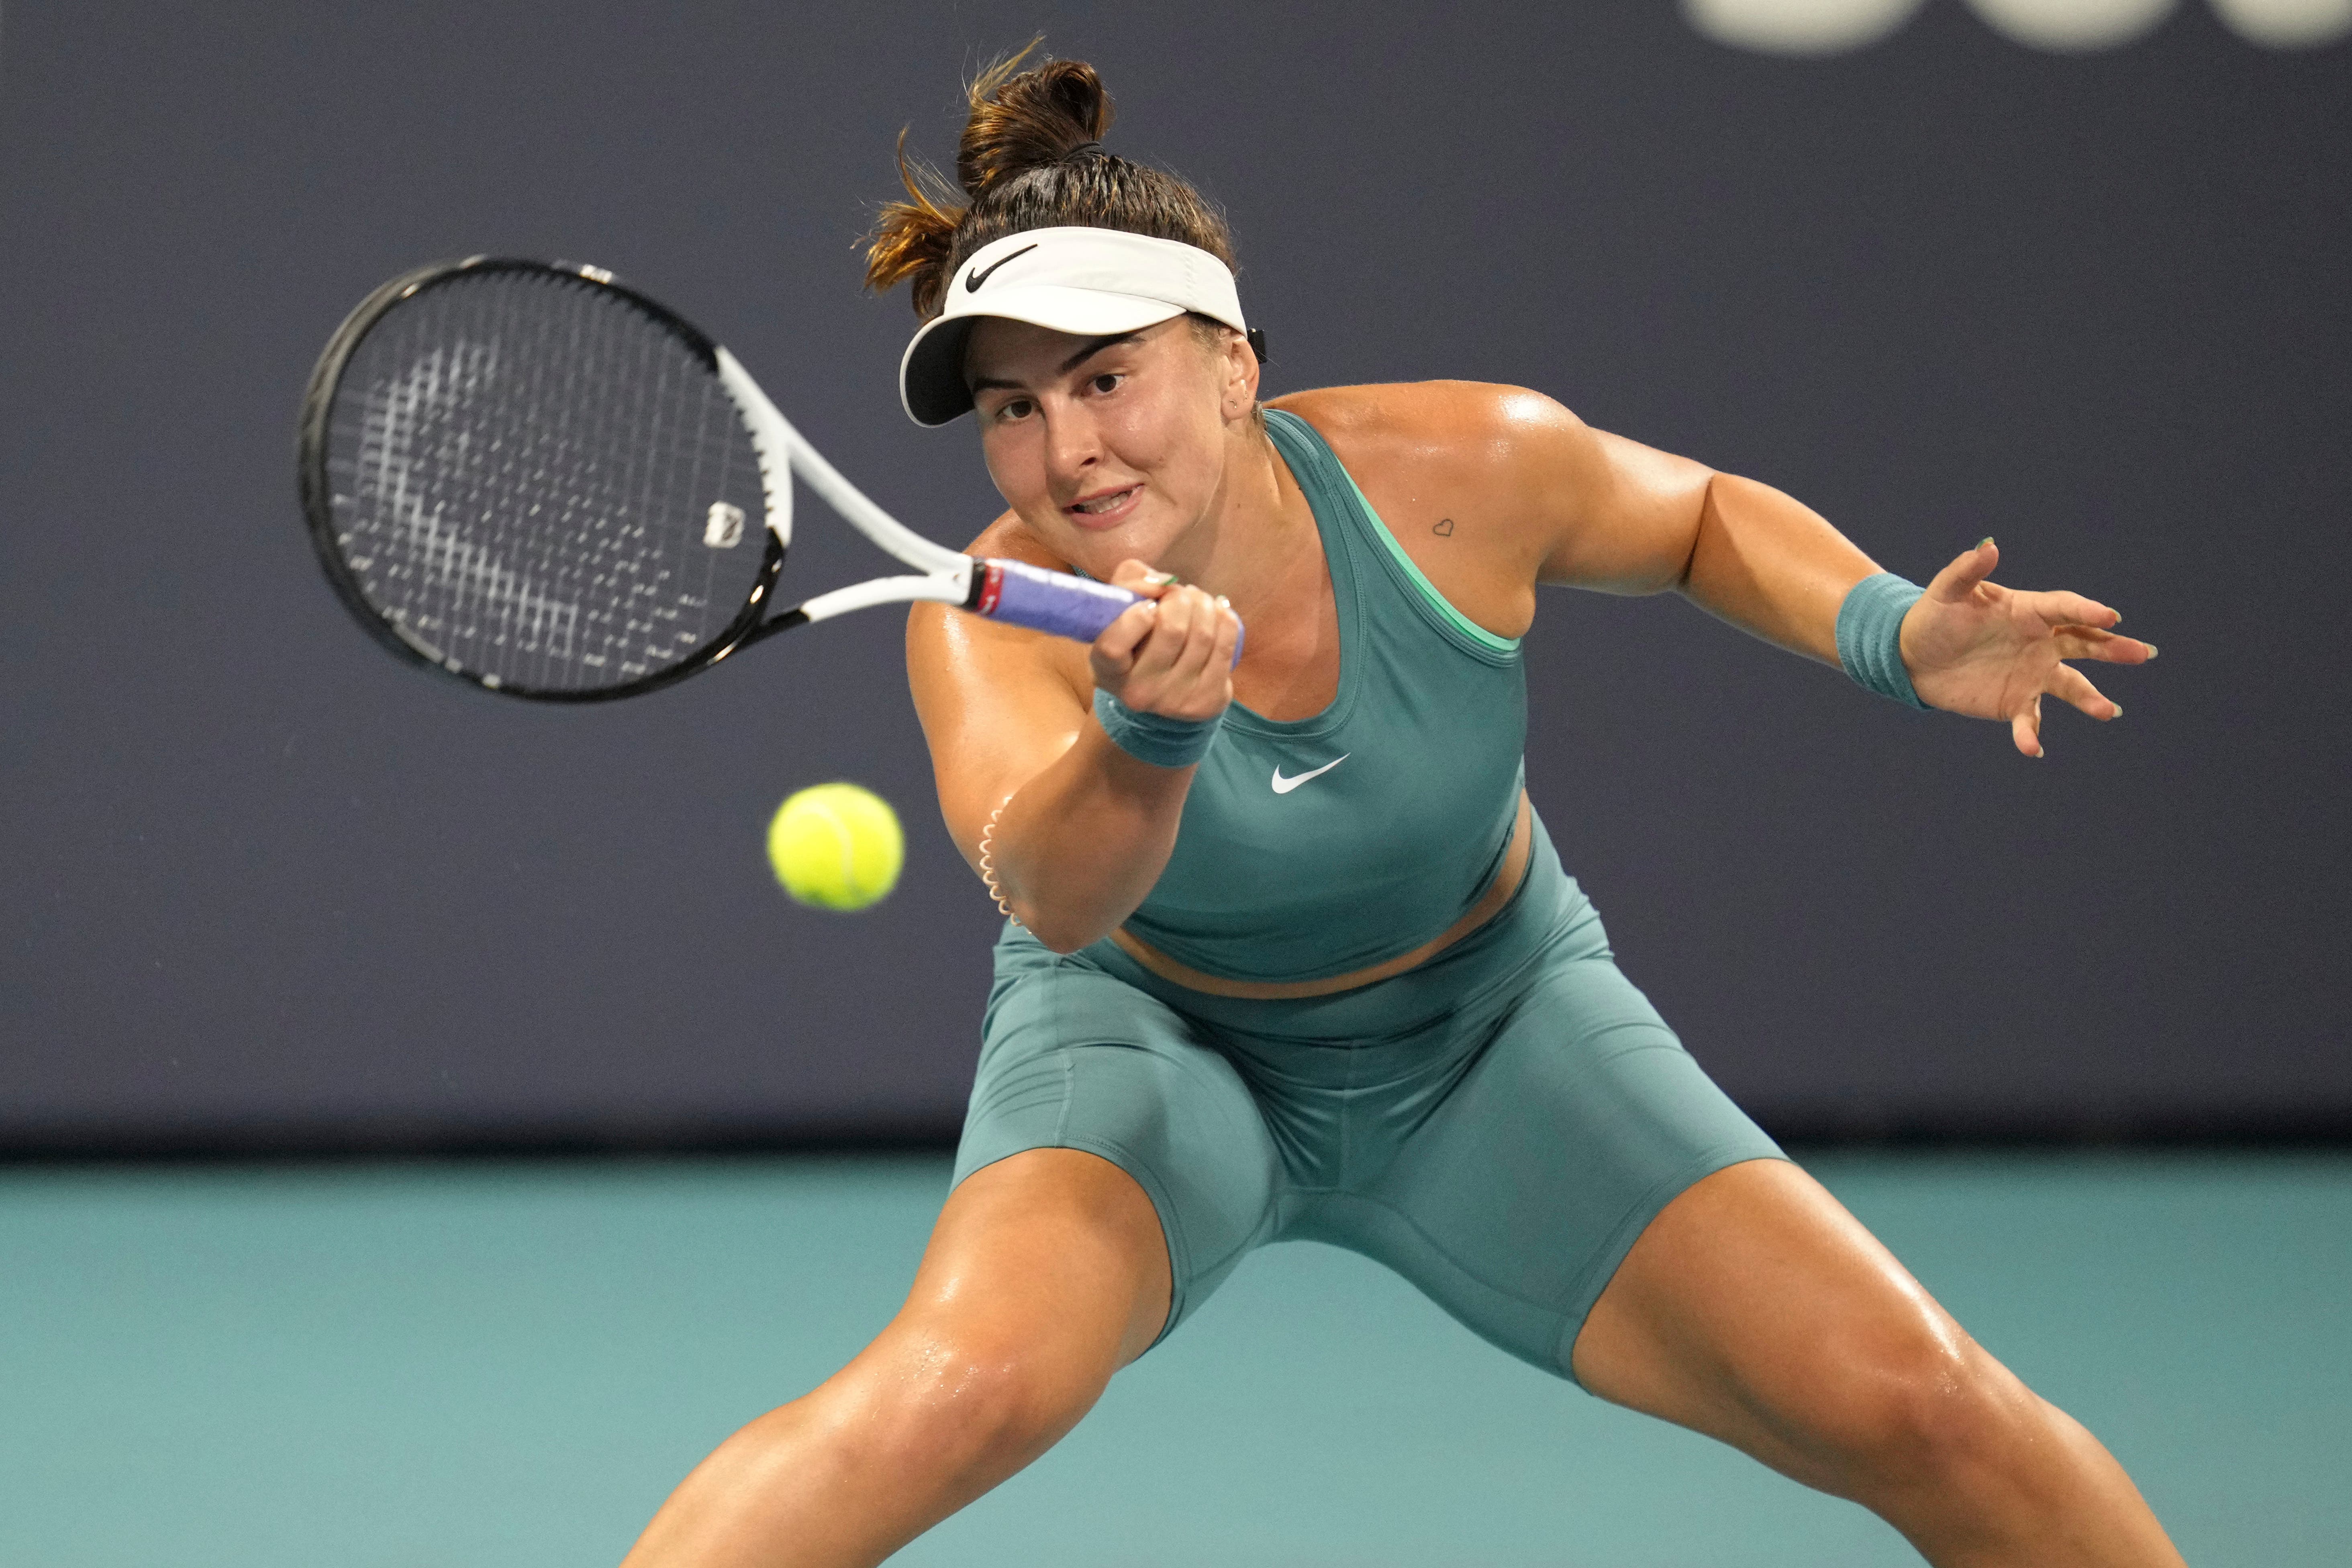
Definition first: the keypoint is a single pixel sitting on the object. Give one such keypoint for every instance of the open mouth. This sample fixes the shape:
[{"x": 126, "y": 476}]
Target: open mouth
[{"x": 1104, "y": 508}]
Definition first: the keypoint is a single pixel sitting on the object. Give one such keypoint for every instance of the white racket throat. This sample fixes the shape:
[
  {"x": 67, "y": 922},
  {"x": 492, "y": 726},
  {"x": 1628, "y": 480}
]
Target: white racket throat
[{"x": 784, "y": 452}]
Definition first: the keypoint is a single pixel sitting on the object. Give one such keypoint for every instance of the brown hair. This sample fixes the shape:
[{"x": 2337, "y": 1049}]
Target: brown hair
[{"x": 1030, "y": 157}]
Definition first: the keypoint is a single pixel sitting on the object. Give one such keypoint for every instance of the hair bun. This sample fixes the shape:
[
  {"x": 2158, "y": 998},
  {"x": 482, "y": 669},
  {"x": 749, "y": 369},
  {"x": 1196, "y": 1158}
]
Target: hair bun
[
  {"x": 1021, "y": 120},
  {"x": 1031, "y": 157}
]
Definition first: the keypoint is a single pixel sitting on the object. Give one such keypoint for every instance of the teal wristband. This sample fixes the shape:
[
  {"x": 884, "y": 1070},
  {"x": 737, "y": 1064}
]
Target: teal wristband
[
  {"x": 1870, "y": 636},
  {"x": 1152, "y": 737}
]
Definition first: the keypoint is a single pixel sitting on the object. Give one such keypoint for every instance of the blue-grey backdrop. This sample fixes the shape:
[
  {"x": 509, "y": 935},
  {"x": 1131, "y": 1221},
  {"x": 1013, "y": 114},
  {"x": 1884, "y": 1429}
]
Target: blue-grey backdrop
[{"x": 266, "y": 887}]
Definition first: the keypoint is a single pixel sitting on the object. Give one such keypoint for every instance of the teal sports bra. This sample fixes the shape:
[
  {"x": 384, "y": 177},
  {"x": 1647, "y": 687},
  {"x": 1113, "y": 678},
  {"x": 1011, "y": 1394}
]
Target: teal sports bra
[{"x": 1317, "y": 846}]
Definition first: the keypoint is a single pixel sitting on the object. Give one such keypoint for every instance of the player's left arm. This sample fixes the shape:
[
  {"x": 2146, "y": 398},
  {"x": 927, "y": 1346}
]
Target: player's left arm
[{"x": 1607, "y": 513}]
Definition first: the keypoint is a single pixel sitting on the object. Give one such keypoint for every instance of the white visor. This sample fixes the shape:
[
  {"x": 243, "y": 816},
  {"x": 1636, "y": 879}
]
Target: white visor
[{"x": 1089, "y": 282}]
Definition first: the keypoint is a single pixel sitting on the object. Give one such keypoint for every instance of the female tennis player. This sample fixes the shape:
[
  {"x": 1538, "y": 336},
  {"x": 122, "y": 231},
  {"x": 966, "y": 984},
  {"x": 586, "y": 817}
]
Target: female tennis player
[{"x": 1291, "y": 955}]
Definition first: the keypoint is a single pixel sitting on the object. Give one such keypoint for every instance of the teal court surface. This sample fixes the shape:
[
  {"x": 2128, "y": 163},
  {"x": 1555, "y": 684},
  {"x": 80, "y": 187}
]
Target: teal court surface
[{"x": 471, "y": 1365}]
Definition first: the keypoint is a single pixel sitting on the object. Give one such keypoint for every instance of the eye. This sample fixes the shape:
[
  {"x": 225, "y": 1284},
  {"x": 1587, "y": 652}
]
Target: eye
[
  {"x": 1105, "y": 382},
  {"x": 1014, "y": 408}
]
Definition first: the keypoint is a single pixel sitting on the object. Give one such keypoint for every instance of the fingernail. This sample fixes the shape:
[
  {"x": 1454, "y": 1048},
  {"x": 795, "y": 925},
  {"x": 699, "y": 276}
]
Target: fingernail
[
  {"x": 1159, "y": 578},
  {"x": 2119, "y": 712},
  {"x": 2151, "y": 650},
  {"x": 1223, "y": 603},
  {"x": 1985, "y": 541}
]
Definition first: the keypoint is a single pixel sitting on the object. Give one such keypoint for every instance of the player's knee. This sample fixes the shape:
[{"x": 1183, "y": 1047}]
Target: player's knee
[
  {"x": 1931, "y": 1415},
  {"x": 968, "y": 1404}
]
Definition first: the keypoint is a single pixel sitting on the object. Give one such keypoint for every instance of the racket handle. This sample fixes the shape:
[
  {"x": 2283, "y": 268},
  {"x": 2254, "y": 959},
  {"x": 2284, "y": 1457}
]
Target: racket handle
[{"x": 1027, "y": 596}]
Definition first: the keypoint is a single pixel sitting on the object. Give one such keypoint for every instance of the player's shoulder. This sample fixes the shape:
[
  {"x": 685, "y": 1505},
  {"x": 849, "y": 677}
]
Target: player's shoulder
[
  {"x": 1464, "y": 437},
  {"x": 971, "y": 651},
  {"x": 1009, "y": 536},
  {"x": 1423, "y": 414}
]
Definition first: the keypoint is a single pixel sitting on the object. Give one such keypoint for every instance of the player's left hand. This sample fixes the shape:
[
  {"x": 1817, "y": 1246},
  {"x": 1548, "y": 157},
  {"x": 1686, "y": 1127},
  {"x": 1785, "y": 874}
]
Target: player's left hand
[{"x": 1976, "y": 648}]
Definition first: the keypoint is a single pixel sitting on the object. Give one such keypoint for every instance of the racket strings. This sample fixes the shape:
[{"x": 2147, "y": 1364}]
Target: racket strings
[{"x": 530, "y": 482}]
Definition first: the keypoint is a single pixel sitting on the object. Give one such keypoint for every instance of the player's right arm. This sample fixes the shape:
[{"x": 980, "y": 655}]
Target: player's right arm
[{"x": 1084, "y": 829}]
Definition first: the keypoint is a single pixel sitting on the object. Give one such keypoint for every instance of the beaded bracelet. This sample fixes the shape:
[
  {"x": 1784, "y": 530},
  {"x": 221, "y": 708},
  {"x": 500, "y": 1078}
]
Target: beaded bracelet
[{"x": 987, "y": 861}]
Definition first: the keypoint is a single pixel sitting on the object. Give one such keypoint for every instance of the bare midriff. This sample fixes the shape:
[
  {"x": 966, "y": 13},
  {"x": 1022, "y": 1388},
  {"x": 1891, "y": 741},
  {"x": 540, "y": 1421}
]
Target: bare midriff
[{"x": 1499, "y": 892}]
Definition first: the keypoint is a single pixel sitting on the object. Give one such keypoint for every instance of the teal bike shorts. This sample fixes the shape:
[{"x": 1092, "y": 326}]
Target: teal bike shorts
[{"x": 1497, "y": 1125}]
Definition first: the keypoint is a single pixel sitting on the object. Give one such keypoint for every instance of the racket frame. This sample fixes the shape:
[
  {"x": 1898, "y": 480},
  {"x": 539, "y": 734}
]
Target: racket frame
[{"x": 944, "y": 576}]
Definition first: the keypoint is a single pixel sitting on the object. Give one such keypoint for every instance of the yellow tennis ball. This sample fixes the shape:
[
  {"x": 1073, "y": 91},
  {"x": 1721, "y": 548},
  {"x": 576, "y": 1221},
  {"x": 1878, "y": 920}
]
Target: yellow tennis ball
[{"x": 836, "y": 846}]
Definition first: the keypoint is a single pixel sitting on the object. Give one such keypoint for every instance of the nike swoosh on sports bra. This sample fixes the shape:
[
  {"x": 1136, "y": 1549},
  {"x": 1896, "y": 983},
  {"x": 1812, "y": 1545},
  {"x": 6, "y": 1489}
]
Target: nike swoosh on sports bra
[{"x": 1285, "y": 786}]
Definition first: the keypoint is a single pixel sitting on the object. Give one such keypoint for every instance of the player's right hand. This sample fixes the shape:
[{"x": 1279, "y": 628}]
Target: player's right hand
[{"x": 1173, "y": 653}]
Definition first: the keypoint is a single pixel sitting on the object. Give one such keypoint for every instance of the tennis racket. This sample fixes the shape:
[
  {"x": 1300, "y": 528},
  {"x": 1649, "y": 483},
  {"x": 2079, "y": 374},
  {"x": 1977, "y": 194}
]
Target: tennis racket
[{"x": 535, "y": 478}]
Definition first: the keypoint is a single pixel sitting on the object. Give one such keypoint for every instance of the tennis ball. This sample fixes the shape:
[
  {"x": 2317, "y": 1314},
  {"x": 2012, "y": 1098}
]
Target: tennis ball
[{"x": 836, "y": 846}]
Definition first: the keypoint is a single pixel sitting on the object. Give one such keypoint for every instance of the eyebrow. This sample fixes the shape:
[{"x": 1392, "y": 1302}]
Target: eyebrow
[{"x": 1093, "y": 348}]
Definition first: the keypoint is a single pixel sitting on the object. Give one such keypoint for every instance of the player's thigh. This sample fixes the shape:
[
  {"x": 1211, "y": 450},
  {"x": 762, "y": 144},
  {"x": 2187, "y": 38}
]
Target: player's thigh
[
  {"x": 1076, "y": 1059},
  {"x": 1044, "y": 1275},
  {"x": 1056, "y": 1245},
  {"x": 1578, "y": 1118},
  {"x": 1755, "y": 1309}
]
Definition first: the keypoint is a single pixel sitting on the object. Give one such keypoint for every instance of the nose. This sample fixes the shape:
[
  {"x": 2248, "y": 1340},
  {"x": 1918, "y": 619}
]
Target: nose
[{"x": 1072, "y": 444}]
